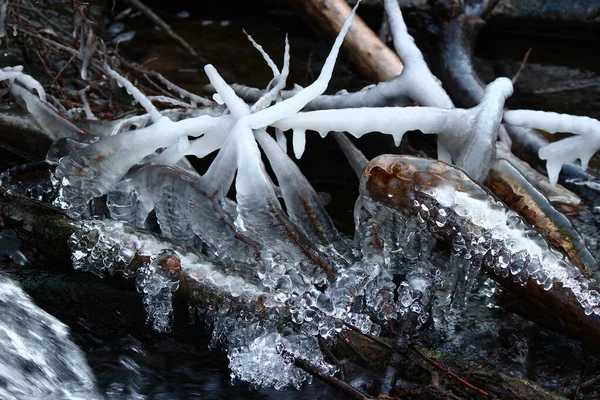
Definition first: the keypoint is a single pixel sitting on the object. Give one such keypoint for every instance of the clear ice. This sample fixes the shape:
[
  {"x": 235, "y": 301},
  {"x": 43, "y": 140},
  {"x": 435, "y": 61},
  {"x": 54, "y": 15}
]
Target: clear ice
[{"x": 273, "y": 278}]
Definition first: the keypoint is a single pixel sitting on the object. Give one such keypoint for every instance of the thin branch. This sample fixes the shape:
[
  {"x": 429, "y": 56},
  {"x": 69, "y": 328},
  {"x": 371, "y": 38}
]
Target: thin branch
[
  {"x": 523, "y": 63},
  {"x": 313, "y": 370},
  {"x": 445, "y": 370}
]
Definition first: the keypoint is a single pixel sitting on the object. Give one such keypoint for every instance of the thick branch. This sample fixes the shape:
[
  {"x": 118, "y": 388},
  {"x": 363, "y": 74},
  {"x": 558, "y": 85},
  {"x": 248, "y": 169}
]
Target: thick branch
[{"x": 372, "y": 59}]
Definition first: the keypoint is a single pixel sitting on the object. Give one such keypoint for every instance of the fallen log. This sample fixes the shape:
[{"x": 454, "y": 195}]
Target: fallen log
[{"x": 371, "y": 58}]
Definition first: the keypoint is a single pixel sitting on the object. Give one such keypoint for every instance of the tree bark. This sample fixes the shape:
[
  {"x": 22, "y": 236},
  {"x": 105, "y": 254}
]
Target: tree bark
[{"x": 371, "y": 58}]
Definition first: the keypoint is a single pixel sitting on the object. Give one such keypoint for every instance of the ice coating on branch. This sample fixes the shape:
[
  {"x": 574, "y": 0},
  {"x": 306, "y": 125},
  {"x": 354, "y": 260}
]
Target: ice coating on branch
[
  {"x": 268, "y": 360},
  {"x": 582, "y": 146},
  {"x": 195, "y": 100},
  {"x": 157, "y": 282},
  {"x": 112, "y": 247},
  {"x": 473, "y": 131},
  {"x": 15, "y": 75},
  {"x": 92, "y": 171},
  {"x": 38, "y": 358},
  {"x": 303, "y": 205},
  {"x": 135, "y": 93},
  {"x": 480, "y": 227},
  {"x": 358, "y": 121},
  {"x": 278, "y": 83},
  {"x": 279, "y": 77},
  {"x": 422, "y": 85},
  {"x": 53, "y": 124}
]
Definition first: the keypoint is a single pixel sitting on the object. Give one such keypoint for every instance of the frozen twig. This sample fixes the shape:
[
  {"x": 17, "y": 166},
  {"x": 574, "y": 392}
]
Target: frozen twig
[
  {"x": 195, "y": 100},
  {"x": 279, "y": 81},
  {"x": 86, "y": 105},
  {"x": 582, "y": 146},
  {"x": 134, "y": 92},
  {"x": 383, "y": 94},
  {"x": 264, "y": 54},
  {"x": 472, "y": 133},
  {"x": 421, "y": 85},
  {"x": 16, "y": 74},
  {"x": 170, "y": 100},
  {"x": 349, "y": 391}
]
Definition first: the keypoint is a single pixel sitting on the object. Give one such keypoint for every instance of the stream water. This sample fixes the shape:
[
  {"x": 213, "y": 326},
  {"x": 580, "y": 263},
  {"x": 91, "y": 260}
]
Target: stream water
[{"x": 111, "y": 352}]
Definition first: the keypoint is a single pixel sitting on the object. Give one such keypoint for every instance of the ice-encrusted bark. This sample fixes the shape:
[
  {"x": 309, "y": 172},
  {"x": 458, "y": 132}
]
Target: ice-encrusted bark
[
  {"x": 513, "y": 253},
  {"x": 302, "y": 203},
  {"x": 582, "y": 146}
]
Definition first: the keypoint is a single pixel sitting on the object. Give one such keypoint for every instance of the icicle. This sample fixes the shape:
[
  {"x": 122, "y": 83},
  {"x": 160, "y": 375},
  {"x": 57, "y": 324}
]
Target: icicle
[
  {"x": 299, "y": 142},
  {"x": 303, "y": 204},
  {"x": 135, "y": 93},
  {"x": 582, "y": 147},
  {"x": 87, "y": 50}
]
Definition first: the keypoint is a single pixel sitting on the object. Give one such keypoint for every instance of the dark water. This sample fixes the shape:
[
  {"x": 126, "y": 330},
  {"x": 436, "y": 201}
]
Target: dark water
[{"x": 130, "y": 360}]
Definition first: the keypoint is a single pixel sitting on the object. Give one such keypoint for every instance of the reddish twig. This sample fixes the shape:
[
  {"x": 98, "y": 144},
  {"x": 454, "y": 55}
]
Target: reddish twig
[
  {"x": 62, "y": 69},
  {"x": 566, "y": 381},
  {"x": 445, "y": 370},
  {"x": 523, "y": 63},
  {"x": 349, "y": 391},
  {"x": 578, "y": 387},
  {"x": 492, "y": 357}
]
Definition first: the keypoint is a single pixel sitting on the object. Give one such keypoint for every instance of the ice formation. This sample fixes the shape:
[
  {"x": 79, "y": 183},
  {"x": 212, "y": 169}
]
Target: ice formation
[
  {"x": 274, "y": 278},
  {"x": 480, "y": 228},
  {"x": 582, "y": 146}
]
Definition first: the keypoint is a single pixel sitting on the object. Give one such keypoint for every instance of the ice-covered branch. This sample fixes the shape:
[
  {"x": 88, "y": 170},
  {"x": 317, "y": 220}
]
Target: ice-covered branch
[
  {"x": 86, "y": 105},
  {"x": 421, "y": 85},
  {"x": 134, "y": 92},
  {"x": 472, "y": 133},
  {"x": 16, "y": 75},
  {"x": 279, "y": 81},
  {"x": 264, "y": 54},
  {"x": 296, "y": 103},
  {"x": 582, "y": 146}
]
